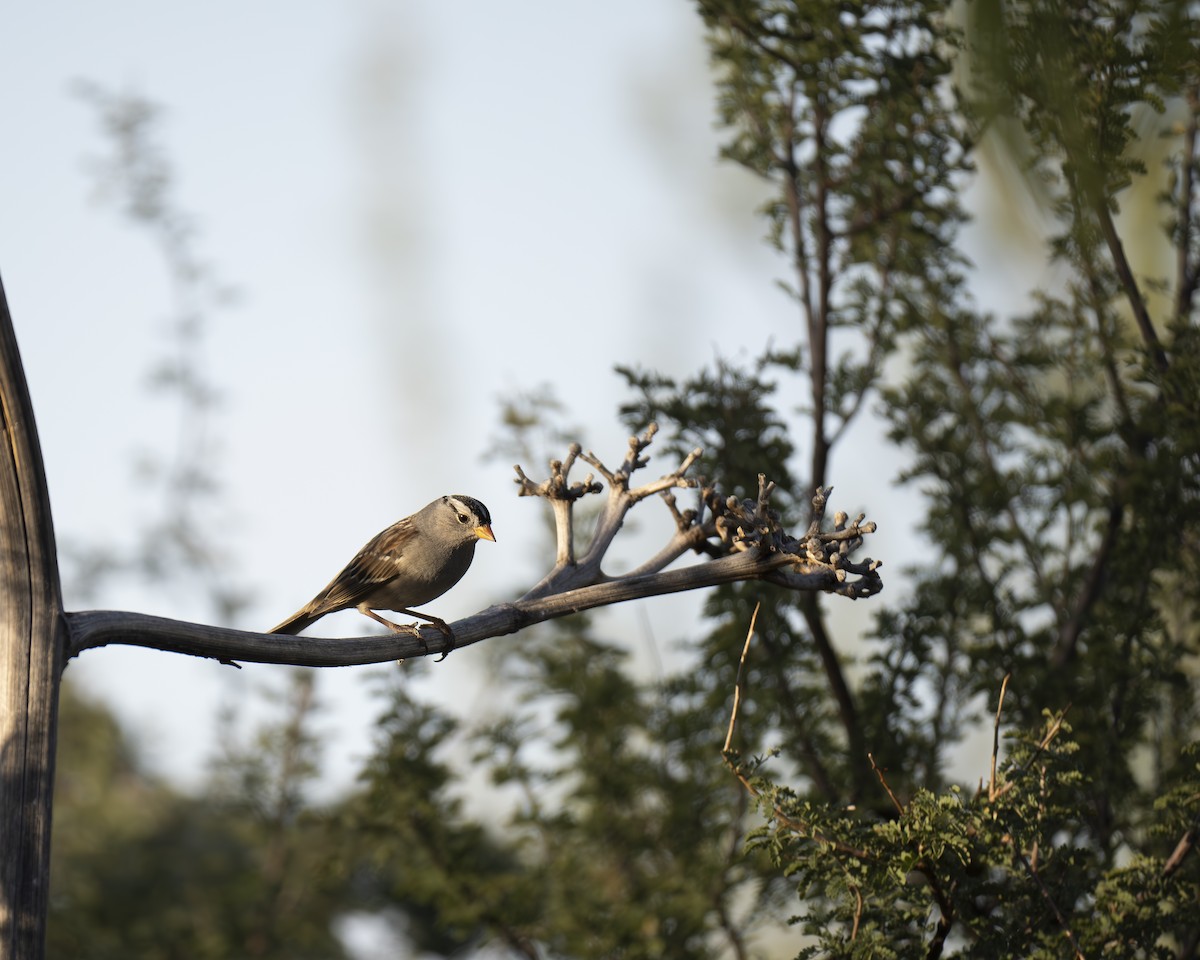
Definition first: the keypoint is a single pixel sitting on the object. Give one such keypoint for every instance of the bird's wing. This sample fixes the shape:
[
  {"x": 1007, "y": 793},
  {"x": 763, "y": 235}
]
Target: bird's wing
[{"x": 373, "y": 566}]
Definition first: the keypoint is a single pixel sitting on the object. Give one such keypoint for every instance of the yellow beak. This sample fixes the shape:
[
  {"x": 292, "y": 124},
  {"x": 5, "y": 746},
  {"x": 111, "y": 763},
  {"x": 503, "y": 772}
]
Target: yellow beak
[{"x": 484, "y": 532}]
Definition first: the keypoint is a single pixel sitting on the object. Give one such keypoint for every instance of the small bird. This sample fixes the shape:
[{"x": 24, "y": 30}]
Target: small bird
[{"x": 413, "y": 561}]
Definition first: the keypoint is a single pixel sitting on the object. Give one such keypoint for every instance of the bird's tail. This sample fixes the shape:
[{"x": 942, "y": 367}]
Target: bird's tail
[{"x": 296, "y": 622}]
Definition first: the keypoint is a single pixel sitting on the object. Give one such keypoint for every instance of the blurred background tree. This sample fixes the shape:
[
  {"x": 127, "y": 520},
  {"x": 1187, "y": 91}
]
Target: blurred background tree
[{"x": 1057, "y": 452}]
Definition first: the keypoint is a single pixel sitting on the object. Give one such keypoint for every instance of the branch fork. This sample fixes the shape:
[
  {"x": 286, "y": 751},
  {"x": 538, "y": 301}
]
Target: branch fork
[{"x": 718, "y": 527}]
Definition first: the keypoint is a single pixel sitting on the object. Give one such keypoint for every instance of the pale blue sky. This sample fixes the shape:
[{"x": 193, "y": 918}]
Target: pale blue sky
[{"x": 424, "y": 206}]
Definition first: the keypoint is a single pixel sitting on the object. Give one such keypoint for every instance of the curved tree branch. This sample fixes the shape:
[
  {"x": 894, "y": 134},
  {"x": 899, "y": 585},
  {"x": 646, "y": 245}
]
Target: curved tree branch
[
  {"x": 746, "y": 537},
  {"x": 97, "y": 628}
]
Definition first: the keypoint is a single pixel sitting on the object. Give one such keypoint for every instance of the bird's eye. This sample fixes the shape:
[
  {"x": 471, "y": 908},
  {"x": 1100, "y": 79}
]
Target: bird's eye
[{"x": 463, "y": 518}]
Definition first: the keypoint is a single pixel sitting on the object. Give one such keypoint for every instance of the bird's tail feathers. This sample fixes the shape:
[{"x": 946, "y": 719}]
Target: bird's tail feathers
[{"x": 296, "y": 622}]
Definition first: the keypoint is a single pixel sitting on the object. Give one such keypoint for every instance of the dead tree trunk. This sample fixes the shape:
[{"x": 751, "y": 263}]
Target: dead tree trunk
[{"x": 32, "y": 639}]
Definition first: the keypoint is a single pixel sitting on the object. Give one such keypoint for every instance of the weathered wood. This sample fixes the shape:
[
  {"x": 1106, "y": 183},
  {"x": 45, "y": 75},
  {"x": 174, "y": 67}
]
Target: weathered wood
[{"x": 32, "y": 634}]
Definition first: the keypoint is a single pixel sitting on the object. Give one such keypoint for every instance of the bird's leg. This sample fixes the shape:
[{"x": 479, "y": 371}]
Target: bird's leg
[
  {"x": 440, "y": 624},
  {"x": 413, "y": 629},
  {"x": 409, "y": 628},
  {"x": 394, "y": 627}
]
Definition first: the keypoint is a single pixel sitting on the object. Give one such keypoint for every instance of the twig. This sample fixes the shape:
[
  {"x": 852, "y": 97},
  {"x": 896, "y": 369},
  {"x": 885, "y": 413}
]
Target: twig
[
  {"x": 721, "y": 526},
  {"x": 561, "y": 496},
  {"x": 879, "y": 773},
  {"x": 1051, "y": 733},
  {"x": 1185, "y": 845},
  {"x": 996, "y": 739},
  {"x": 730, "y": 757},
  {"x": 737, "y": 684},
  {"x": 1129, "y": 285}
]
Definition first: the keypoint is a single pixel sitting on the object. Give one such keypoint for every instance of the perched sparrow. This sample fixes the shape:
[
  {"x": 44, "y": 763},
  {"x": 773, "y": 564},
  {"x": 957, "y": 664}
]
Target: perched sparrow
[{"x": 413, "y": 561}]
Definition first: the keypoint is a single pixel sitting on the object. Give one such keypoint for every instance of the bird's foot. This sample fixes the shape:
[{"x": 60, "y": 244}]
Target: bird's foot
[
  {"x": 415, "y": 630},
  {"x": 444, "y": 627}
]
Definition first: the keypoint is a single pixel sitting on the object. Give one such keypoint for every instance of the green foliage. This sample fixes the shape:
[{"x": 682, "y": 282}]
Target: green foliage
[
  {"x": 999, "y": 874},
  {"x": 846, "y": 108},
  {"x": 1057, "y": 451},
  {"x": 612, "y": 829},
  {"x": 416, "y": 850},
  {"x": 140, "y": 870}
]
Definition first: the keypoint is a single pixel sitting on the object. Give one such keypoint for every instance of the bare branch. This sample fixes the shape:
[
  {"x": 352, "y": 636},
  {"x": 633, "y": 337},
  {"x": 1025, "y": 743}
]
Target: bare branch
[
  {"x": 721, "y": 527},
  {"x": 569, "y": 572},
  {"x": 887, "y": 788},
  {"x": 97, "y": 628},
  {"x": 1129, "y": 284},
  {"x": 996, "y": 740},
  {"x": 737, "y": 684},
  {"x": 744, "y": 539},
  {"x": 561, "y": 495},
  {"x": 1182, "y": 849},
  {"x": 671, "y": 481}
]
